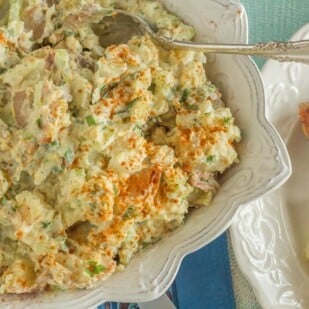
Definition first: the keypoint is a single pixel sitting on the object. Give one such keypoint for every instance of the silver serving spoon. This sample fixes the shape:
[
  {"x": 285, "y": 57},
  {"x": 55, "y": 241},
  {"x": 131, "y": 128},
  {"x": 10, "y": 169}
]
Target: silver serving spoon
[{"x": 120, "y": 26}]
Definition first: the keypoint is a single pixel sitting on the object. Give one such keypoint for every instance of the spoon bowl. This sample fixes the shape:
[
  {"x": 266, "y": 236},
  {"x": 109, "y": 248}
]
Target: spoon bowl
[{"x": 119, "y": 26}]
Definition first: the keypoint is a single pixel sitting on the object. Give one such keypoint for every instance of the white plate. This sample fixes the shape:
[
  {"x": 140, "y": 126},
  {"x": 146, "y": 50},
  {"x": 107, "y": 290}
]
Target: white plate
[{"x": 270, "y": 234}]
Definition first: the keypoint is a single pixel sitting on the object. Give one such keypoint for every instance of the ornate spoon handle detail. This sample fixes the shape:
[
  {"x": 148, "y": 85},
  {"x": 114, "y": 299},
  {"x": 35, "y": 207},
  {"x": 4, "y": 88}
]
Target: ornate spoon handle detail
[{"x": 297, "y": 51}]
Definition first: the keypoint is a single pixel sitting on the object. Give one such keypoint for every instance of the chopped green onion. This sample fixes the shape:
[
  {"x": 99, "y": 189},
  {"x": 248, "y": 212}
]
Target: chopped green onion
[
  {"x": 184, "y": 96},
  {"x": 138, "y": 129},
  {"x": 227, "y": 120},
  {"x": 132, "y": 102},
  {"x": 102, "y": 90},
  {"x": 45, "y": 224},
  {"x": 116, "y": 190},
  {"x": 93, "y": 206},
  {"x": 68, "y": 33},
  {"x": 94, "y": 268},
  {"x": 129, "y": 106},
  {"x": 152, "y": 87},
  {"x": 69, "y": 156},
  {"x": 28, "y": 136},
  {"x": 58, "y": 25},
  {"x": 90, "y": 120},
  {"x": 56, "y": 169},
  {"x": 105, "y": 90},
  {"x": 210, "y": 88},
  {"x": 3, "y": 201},
  {"x": 191, "y": 107},
  {"x": 39, "y": 123},
  {"x": 108, "y": 12},
  {"x": 184, "y": 101},
  {"x": 210, "y": 158},
  {"x": 79, "y": 172},
  {"x": 55, "y": 288},
  {"x": 146, "y": 244},
  {"x": 129, "y": 213}
]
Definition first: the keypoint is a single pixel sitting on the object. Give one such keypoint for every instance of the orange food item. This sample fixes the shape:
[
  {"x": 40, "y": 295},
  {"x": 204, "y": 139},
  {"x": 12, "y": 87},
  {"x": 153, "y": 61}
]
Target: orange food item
[{"x": 304, "y": 117}]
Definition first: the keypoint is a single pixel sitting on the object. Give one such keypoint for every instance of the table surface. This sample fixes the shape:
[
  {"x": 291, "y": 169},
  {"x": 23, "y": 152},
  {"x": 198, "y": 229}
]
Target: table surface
[{"x": 210, "y": 278}]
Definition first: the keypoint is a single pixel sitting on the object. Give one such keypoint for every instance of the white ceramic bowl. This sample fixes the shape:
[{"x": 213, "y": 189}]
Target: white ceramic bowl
[{"x": 263, "y": 167}]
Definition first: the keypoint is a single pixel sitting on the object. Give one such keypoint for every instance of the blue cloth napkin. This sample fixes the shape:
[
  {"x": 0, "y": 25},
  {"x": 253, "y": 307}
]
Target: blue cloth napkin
[{"x": 203, "y": 281}]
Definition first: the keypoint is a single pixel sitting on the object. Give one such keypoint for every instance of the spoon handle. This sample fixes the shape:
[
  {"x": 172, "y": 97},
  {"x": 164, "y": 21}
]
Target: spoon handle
[{"x": 297, "y": 51}]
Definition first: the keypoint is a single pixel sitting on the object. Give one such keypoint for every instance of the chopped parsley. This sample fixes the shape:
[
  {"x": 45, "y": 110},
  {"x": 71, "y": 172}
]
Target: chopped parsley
[
  {"x": 94, "y": 268},
  {"x": 91, "y": 121}
]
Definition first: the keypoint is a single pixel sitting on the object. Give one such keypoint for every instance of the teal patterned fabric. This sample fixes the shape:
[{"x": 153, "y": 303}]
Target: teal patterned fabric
[
  {"x": 275, "y": 20},
  {"x": 210, "y": 278}
]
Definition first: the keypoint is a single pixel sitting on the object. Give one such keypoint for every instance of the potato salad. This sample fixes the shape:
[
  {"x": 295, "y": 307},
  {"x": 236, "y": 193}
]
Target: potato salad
[{"x": 102, "y": 150}]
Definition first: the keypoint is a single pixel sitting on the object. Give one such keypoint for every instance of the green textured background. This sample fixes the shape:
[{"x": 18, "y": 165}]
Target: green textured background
[
  {"x": 269, "y": 20},
  {"x": 275, "y": 20}
]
